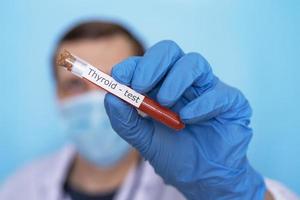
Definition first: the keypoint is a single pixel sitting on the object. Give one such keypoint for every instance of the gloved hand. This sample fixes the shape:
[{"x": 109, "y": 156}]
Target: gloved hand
[{"x": 205, "y": 160}]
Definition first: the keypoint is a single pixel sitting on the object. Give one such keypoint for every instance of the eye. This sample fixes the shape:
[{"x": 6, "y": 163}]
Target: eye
[{"x": 73, "y": 86}]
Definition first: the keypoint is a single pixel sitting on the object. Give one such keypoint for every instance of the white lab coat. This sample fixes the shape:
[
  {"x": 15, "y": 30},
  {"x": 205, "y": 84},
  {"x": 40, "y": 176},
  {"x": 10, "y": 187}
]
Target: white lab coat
[{"x": 44, "y": 179}]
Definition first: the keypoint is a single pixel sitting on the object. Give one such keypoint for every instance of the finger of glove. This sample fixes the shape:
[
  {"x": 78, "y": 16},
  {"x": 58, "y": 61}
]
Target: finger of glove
[
  {"x": 123, "y": 71},
  {"x": 125, "y": 120},
  {"x": 211, "y": 104},
  {"x": 153, "y": 66},
  {"x": 190, "y": 69}
]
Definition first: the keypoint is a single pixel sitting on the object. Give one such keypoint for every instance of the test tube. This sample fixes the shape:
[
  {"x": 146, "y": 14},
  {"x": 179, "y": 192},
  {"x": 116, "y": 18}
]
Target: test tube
[{"x": 143, "y": 103}]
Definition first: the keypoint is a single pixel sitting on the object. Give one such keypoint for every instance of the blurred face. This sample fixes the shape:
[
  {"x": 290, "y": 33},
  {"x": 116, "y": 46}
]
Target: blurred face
[
  {"x": 82, "y": 103},
  {"x": 102, "y": 53}
]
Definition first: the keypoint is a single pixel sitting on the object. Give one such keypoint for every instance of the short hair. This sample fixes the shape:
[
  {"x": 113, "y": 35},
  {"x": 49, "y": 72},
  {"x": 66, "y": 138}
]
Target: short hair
[{"x": 95, "y": 30}]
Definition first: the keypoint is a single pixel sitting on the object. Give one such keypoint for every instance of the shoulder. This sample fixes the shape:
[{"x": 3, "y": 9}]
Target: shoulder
[
  {"x": 153, "y": 182},
  {"x": 280, "y": 191},
  {"x": 27, "y": 179}
]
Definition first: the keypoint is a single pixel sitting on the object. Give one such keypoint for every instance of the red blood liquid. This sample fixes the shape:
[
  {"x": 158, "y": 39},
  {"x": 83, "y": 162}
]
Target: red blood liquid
[{"x": 161, "y": 114}]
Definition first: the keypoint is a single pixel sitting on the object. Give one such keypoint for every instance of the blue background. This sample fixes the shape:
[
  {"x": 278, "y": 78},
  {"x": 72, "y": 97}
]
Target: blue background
[{"x": 254, "y": 45}]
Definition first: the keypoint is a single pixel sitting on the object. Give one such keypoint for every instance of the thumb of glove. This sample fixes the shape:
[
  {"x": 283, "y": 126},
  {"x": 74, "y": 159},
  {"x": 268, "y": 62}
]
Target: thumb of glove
[{"x": 129, "y": 125}]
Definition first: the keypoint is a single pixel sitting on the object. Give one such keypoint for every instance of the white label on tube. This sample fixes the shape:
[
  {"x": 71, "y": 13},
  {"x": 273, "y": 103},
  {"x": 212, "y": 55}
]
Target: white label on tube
[{"x": 111, "y": 85}]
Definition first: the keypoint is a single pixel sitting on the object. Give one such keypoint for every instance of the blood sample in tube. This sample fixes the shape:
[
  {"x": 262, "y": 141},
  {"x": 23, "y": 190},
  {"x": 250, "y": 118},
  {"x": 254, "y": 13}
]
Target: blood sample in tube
[{"x": 143, "y": 103}]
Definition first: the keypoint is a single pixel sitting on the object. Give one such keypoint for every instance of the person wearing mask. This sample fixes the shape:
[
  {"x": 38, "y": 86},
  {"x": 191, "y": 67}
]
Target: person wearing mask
[{"x": 205, "y": 160}]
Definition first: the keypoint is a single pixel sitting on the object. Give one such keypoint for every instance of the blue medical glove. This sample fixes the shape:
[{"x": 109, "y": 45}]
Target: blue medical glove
[{"x": 205, "y": 160}]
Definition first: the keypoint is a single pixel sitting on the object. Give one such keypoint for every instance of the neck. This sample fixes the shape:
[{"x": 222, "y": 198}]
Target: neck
[{"x": 89, "y": 178}]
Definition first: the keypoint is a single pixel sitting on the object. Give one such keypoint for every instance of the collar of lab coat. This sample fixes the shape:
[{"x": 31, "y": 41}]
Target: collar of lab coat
[
  {"x": 140, "y": 183},
  {"x": 56, "y": 173}
]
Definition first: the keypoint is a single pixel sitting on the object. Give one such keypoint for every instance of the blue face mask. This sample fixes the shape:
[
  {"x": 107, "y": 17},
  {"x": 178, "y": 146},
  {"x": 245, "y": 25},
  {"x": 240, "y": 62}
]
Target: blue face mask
[{"x": 89, "y": 129}]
